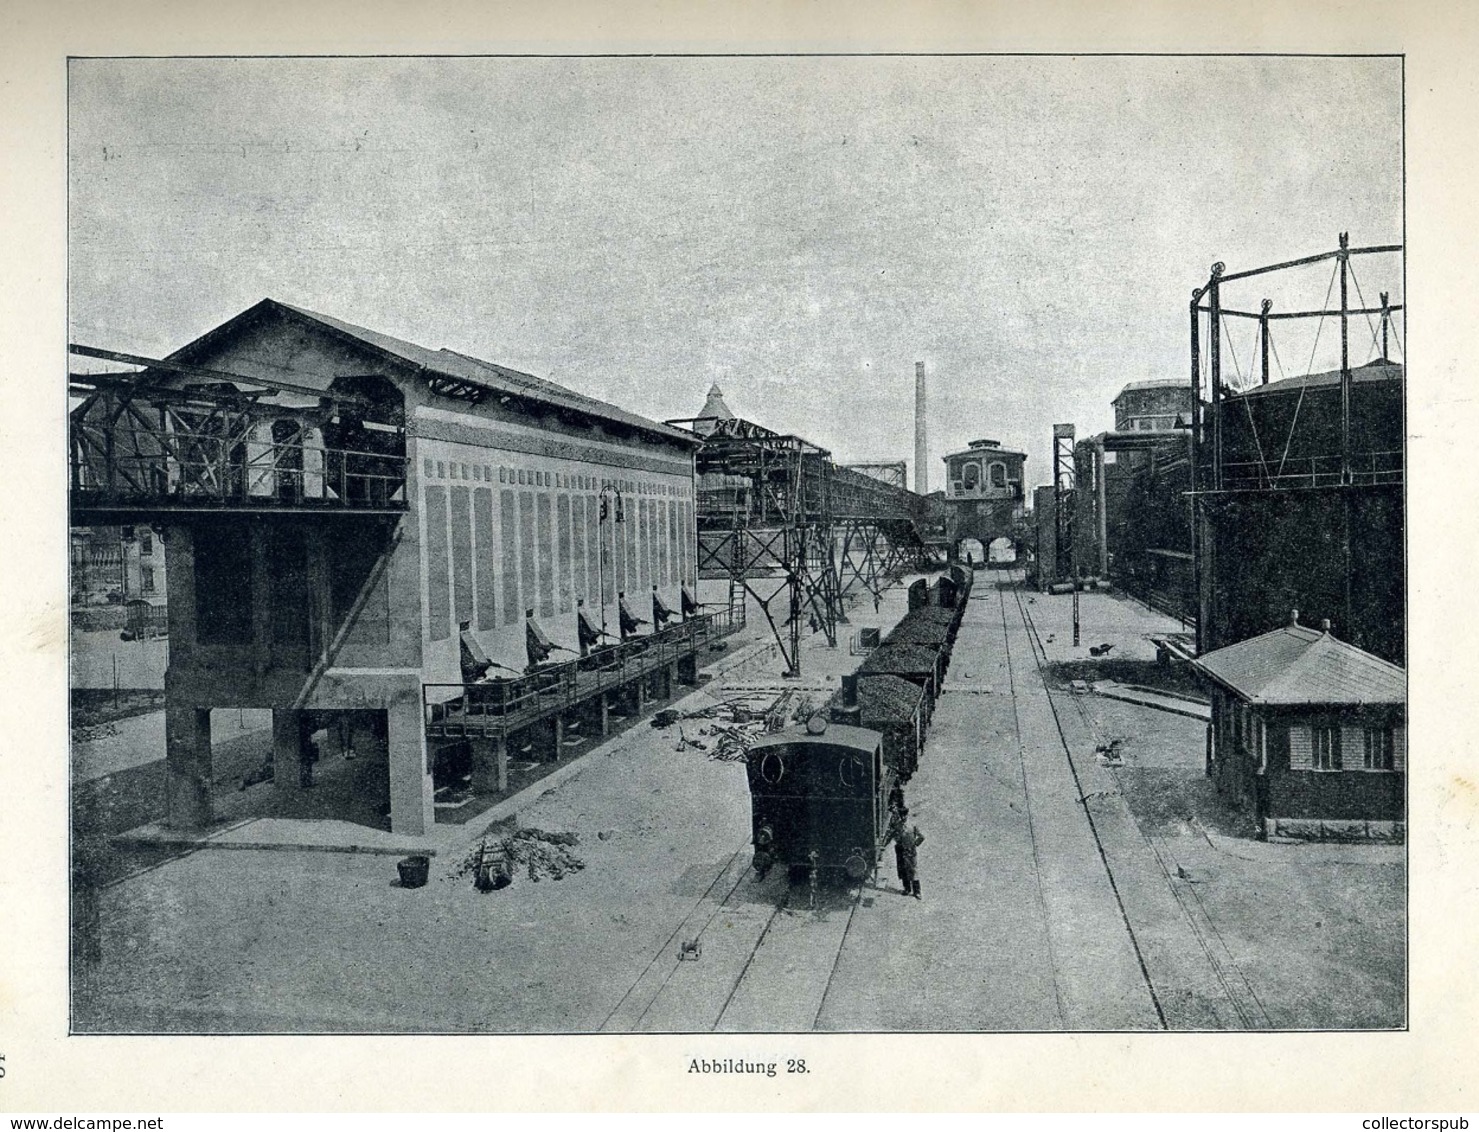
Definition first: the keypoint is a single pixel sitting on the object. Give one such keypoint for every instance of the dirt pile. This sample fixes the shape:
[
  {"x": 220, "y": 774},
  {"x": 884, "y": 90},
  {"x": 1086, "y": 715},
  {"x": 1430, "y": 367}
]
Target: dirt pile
[{"x": 537, "y": 853}]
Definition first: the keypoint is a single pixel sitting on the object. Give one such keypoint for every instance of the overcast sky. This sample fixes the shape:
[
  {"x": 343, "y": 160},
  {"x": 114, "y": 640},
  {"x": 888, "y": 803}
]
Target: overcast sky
[{"x": 800, "y": 230}]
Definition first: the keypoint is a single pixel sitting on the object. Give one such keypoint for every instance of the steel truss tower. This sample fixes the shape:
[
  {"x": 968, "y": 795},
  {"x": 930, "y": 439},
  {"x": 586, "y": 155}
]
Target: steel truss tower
[{"x": 777, "y": 518}]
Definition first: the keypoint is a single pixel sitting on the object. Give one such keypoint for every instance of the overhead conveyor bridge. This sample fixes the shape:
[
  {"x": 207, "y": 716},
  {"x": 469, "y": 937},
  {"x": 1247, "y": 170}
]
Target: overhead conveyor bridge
[{"x": 778, "y": 516}]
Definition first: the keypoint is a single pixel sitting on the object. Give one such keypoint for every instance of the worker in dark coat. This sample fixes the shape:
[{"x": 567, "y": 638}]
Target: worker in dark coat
[
  {"x": 907, "y": 839},
  {"x": 630, "y": 622},
  {"x": 661, "y": 614},
  {"x": 590, "y": 633},
  {"x": 896, "y": 800}
]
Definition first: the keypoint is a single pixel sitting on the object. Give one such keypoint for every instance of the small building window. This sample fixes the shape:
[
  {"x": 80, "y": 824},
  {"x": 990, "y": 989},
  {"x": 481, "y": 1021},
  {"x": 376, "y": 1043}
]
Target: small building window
[
  {"x": 1325, "y": 748},
  {"x": 1378, "y": 753},
  {"x": 971, "y": 476},
  {"x": 146, "y": 579},
  {"x": 146, "y": 543},
  {"x": 998, "y": 475}
]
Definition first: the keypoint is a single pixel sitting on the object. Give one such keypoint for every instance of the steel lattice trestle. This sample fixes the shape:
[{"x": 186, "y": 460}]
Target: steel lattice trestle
[{"x": 777, "y": 516}]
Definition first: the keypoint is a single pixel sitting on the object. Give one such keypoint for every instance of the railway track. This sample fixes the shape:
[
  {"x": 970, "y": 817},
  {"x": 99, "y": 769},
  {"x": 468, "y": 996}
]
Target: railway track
[
  {"x": 765, "y": 958},
  {"x": 1242, "y": 1004}
]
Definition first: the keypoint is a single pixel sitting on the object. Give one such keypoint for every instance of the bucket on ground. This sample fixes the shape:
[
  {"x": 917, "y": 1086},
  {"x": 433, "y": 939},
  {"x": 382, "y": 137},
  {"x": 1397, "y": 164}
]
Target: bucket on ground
[{"x": 414, "y": 871}]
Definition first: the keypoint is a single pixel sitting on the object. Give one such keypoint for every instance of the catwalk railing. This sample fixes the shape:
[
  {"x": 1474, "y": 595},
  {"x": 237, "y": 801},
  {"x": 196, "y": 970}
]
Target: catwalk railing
[
  {"x": 1356, "y": 469},
  {"x": 160, "y": 451},
  {"x": 774, "y": 511}
]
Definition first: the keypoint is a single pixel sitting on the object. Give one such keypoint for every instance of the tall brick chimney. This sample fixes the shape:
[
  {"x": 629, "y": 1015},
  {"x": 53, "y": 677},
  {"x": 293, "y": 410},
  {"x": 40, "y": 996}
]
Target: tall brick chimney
[{"x": 921, "y": 436}]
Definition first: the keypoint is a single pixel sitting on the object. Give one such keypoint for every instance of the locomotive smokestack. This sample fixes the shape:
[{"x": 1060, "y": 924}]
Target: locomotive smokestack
[{"x": 921, "y": 438}]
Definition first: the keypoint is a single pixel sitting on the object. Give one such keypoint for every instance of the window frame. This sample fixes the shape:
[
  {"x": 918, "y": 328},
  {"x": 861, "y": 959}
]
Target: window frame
[
  {"x": 1329, "y": 760},
  {"x": 1368, "y": 761}
]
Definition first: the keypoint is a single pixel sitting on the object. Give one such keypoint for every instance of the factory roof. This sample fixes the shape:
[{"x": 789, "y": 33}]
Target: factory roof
[
  {"x": 1299, "y": 666},
  {"x": 985, "y": 450},
  {"x": 1379, "y": 370},
  {"x": 447, "y": 363},
  {"x": 714, "y": 406},
  {"x": 1143, "y": 386}
]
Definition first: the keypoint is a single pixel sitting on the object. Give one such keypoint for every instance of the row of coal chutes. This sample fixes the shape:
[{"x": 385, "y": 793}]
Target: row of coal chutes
[{"x": 895, "y": 688}]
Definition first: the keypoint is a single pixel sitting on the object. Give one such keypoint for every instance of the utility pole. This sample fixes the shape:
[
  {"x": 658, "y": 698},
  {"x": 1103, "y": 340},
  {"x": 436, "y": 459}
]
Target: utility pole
[
  {"x": 1345, "y": 363},
  {"x": 1267, "y": 306},
  {"x": 1196, "y": 456},
  {"x": 1214, "y": 364},
  {"x": 1386, "y": 319}
]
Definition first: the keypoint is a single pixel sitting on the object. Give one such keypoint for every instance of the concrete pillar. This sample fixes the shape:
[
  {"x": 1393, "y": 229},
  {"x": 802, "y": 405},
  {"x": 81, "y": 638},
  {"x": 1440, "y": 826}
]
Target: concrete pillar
[
  {"x": 287, "y": 750},
  {"x": 261, "y": 476},
  {"x": 188, "y": 771},
  {"x": 261, "y": 600},
  {"x": 489, "y": 765},
  {"x": 1101, "y": 528},
  {"x": 605, "y": 714},
  {"x": 557, "y": 735},
  {"x": 411, "y": 795},
  {"x": 672, "y": 678}
]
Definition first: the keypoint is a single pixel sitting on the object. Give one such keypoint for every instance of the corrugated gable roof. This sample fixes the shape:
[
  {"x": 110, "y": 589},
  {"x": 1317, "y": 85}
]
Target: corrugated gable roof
[{"x": 1296, "y": 665}]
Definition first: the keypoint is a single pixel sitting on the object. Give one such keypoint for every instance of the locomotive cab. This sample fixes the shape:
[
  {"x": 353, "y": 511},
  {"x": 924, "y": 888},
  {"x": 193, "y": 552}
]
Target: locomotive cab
[{"x": 819, "y": 801}]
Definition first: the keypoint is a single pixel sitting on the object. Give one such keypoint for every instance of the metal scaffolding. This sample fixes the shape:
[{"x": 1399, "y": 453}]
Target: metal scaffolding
[
  {"x": 140, "y": 451},
  {"x": 1063, "y": 485},
  {"x": 1274, "y": 453},
  {"x": 778, "y": 518}
]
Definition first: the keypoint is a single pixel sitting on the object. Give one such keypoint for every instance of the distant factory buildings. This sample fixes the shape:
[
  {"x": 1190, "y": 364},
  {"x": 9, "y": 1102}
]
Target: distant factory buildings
[
  {"x": 1152, "y": 406},
  {"x": 984, "y": 494},
  {"x": 1126, "y": 492}
]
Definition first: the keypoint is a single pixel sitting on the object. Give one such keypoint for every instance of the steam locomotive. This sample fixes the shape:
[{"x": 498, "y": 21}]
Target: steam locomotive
[
  {"x": 819, "y": 800},
  {"x": 820, "y": 795}
]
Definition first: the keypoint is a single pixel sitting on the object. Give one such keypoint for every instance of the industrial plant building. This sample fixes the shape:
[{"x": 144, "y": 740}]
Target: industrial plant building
[{"x": 347, "y": 514}]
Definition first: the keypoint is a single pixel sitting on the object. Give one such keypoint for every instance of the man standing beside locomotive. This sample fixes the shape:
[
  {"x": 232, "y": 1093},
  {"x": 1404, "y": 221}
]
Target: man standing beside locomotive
[{"x": 907, "y": 839}]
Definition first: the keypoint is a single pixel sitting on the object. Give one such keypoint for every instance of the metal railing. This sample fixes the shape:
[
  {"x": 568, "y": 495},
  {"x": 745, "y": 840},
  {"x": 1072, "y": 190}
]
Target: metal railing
[
  {"x": 1366, "y": 469},
  {"x": 184, "y": 469},
  {"x": 500, "y": 707}
]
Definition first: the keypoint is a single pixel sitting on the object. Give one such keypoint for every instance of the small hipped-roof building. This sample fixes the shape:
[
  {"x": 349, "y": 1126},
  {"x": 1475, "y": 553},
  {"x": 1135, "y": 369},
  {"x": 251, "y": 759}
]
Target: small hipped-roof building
[{"x": 1310, "y": 732}]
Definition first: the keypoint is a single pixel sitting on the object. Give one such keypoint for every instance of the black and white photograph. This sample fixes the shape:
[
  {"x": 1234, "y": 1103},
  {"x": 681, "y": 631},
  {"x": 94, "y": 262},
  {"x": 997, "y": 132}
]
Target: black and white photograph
[{"x": 707, "y": 543}]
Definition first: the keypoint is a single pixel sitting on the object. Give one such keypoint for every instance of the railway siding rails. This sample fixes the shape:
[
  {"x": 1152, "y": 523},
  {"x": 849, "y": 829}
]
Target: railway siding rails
[
  {"x": 1197, "y": 982},
  {"x": 784, "y": 985},
  {"x": 635, "y": 1007},
  {"x": 1100, "y": 976}
]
